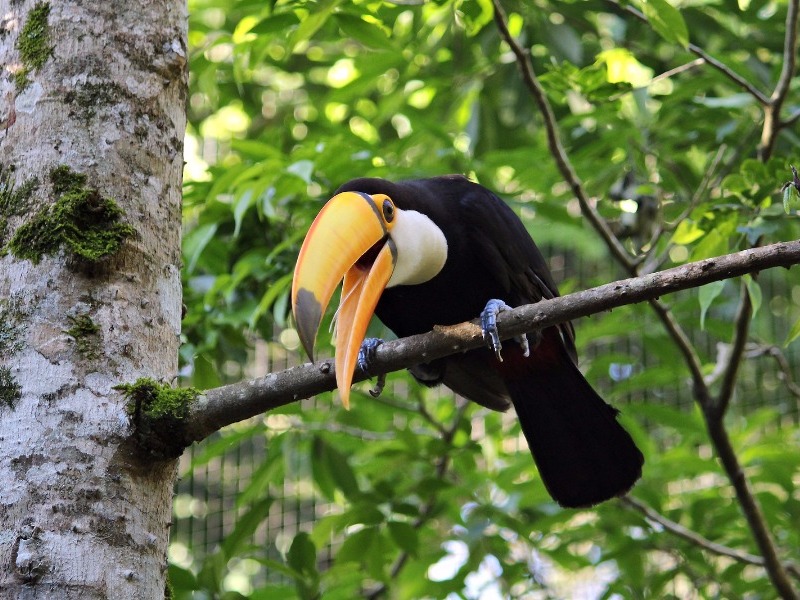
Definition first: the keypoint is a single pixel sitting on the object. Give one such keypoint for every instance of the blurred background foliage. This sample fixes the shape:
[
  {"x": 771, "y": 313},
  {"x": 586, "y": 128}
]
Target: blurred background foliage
[{"x": 416, "y": 495}]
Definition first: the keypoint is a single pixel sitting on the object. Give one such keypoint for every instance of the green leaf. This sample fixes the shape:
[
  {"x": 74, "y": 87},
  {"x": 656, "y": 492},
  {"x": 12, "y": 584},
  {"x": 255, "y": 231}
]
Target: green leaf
[
  {"x": 706, "y": 296},
  {"x": 754, "y": 291},
  {"x": 369, "y": 34},
  {"x": 666, "y": 20},
  {"x": 405, "y": 536},
  {"x": 791, "y": 199},
  {"x": 715, "y": 243},
  {"x": 356, "y": 547},
  {"x": 268, "y": 299},
  {"x": 276, "y": 23},
  {"x": 302, "y": 169},
  {"x": 331, "y": 469},
  {"x": 182, "y": 580},
  {"x": 222, "y": 443},
  {"x": 793, "y": 334},
  {"x": 316, "y": 18},
  {"x": 212, "y": 572},
  {"x": 687, "y": 232},
  {"x": 686, "y": 421},
  {"x": 246, "y": 526},
  {"x": 302, "y": 555},
  {"x": 195, "y": 242},
  {"x": 240, "y": 207}
]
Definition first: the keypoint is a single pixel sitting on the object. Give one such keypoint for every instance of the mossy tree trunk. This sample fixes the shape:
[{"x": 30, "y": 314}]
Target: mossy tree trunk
[{"x": 91, "y": 127}]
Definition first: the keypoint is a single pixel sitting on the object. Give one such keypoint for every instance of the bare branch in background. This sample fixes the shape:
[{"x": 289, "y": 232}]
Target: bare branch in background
[
  {"x": 713, "y": 408},
  {"x": 772, "y": 111},
  {"x": 697, "y": 539},
  {"x": 698, "y": 51}
]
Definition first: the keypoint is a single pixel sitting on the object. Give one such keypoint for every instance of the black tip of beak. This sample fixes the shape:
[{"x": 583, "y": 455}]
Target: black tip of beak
[{"x": 308, "y": 314}]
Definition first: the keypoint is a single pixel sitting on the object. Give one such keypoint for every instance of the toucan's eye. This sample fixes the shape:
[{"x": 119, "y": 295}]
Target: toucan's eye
[{"x": 388, "y": 211}]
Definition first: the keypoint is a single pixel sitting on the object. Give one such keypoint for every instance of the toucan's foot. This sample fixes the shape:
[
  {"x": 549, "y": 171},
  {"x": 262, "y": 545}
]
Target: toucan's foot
[
  {"x": 366, "y": 356},
  {"x": 489, "y": 328}
]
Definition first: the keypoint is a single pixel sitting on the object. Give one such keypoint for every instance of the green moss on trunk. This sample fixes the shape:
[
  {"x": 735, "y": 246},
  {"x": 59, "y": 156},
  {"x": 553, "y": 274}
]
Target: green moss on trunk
[
  {"x": 158, "y": 411},
  {"x": 33, "y": 44},
  {"x": 156, "y": 400},
  {"x": 81, "y": 221},
  {"x": 10, "y": 391},
  {"x": 13, "y": 199},
  {"x": 85, "y": 333}
]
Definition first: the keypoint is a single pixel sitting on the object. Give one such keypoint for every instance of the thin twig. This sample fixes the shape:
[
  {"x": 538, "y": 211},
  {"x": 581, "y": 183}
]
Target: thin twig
[
  {"x": 741, "y": 329},
  {"x": 653, "y": 263},
  {"x": 698, "y": 51},
  {"x": 785, "y": 375},
  {"x": 697, "y": 539},
  {"x": 772, "y": 111},
  {"x": 789, "y": 55},
  {"x": 775, "y": 568}
]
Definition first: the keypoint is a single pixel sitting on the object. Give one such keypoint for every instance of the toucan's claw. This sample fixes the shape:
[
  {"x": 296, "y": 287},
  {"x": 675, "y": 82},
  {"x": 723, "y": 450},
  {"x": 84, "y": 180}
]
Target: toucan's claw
[
  {"x": 366, "y": 356},
  {"x": 489, "y": 328},
  {"x": 379, "y": 385}
]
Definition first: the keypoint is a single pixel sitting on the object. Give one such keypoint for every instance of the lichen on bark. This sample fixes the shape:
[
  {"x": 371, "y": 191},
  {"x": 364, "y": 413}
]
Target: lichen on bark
[
  {"x": 12, "y": 325},
  {"x": 81, "y": 220},
  {"x": 33, "y": 44}
]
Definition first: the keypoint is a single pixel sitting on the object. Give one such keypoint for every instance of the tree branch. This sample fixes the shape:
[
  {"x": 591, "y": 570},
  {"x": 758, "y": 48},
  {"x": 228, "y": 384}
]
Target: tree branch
[
  {"x": 785, "y": 375},
  {"x": 222, "y": 406},
  {"x": 752, "y": 511},
  {"x": 741, "y": 330},
  {"x": 697, "y": 539}
]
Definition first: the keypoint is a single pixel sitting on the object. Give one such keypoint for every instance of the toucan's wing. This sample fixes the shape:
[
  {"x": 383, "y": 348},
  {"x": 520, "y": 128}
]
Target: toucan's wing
[
  {"x": 469, "y": 375},
  {"x": 510, "y": 253}
]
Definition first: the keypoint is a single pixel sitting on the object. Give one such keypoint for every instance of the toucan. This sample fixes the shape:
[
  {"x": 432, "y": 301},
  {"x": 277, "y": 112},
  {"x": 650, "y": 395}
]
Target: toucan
[{"x": 440, "y": 251}]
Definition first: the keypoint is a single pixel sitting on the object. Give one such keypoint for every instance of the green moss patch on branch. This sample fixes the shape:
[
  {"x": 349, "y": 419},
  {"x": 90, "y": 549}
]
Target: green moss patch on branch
[
  {"x": 82, "y": 221},
  {"x": 10, "y": 391},
  {"x": 158, "y": 411},
  {"x": 85, "y": 333},
  {"x": 33, "y": 44}
]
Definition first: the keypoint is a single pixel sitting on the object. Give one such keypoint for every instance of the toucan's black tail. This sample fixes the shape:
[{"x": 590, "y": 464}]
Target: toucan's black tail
[{"x": 583, "y": 454}]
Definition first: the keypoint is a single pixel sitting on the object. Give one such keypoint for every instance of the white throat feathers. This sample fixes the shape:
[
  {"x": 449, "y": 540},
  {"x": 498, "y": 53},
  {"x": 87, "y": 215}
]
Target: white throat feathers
[{"x": 421, "y": 249}]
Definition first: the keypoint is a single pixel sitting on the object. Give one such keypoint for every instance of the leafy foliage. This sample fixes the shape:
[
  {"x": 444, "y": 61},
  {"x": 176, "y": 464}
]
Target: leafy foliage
[{"x": 425, "y": 497}]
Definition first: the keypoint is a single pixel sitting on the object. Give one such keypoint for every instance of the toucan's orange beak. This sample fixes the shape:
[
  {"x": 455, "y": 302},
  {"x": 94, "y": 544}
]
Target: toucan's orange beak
[{"x": 349, "y": 240}]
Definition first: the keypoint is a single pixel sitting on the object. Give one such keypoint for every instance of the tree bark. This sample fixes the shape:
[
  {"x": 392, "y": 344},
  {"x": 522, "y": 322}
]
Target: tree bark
[{"x": 91, "y": 124}]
